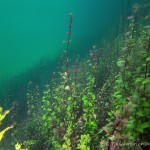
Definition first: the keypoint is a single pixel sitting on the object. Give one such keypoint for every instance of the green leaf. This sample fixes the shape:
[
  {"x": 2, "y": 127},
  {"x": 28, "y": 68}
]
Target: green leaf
[
  {"x": 145, "y": 125},
  {"x": 100, "y": 131},
  {"x": 146, "y": 111},
  {"x": 148, "y": 59},
  {"x": 49, "y": 119},
  {"x": 3, "y": 132},
  {"x": 69, "y": 108},
  {"x": 1, "y": 110},
  {"x": 44, "y": 117},
  {"x": 146, "y": 81},
  {"x": 116, "y": 93},
  {"x": 140, "y": 113},
  {"x": 119, "y": 81},
  {"x": 84, "y": 97},
  {"x": 75, "y": 103},
  {"x": 86, "y": 102},
  {"x": 134, "y": 105},
  {"x": 138, "y": 80},
  {"x": 121, "y": 63},
  {"x": 92, "y": 80},
  {"x": 89, "y": 104},
  {"x": 93, "y": 96},
  {"x": 109, "y": 113},
  {"x": 69, "y": 98},
  {"x": 146, "y": 104},
  {"x": 139, "y": 128},
  {"x": 85, "y": 116},
  {"x": 118, "y": 96},
  {"x": 130, "y": 125},
  {"x": 92, "y": 125},
  {"x": 132, "y": 137},
  {"x": 2, "y": 116}
]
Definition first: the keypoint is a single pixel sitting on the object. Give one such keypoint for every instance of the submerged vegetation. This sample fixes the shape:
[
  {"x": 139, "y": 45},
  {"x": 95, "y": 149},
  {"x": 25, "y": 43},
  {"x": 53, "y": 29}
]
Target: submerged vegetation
[
  {"x": 2, "y": 116},
  {"x": 98, "y": 103}
]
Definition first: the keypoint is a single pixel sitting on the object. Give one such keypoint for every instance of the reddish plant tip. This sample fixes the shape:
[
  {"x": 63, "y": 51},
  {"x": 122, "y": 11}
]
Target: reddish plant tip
[{"x": 75, "y": 78}]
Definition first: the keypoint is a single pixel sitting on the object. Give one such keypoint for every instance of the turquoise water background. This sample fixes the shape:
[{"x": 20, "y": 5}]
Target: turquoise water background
[{"x": 34, "y": 29}]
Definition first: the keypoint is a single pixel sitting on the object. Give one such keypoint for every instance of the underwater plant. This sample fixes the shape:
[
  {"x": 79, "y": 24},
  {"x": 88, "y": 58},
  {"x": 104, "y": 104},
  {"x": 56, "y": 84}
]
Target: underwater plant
[
  {"x": 98, "y": 103},
  {"x": 115, "y": 132},
  {"x": 98, "y": 94},
  {"x": 18, "y": 147},
  {"x": 2, "y": 116}
]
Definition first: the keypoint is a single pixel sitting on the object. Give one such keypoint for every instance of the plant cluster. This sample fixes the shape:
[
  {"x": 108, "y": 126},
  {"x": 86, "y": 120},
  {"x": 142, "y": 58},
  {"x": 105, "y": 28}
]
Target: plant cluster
[{"x": 101, "y": 102}]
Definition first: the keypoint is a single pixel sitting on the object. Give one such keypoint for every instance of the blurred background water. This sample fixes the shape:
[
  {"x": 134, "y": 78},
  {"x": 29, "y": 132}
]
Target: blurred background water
[
  {"x": 33, "y": 29},
  {"x": 32, "y": 33}
]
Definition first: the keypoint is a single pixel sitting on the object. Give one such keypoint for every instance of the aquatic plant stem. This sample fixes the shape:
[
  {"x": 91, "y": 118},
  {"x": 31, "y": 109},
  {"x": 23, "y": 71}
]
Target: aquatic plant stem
[{"x": 68, "y": 43}]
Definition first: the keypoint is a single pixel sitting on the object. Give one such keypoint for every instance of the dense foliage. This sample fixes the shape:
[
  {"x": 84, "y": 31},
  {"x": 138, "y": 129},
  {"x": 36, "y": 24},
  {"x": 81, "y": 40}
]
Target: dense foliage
[{"x": 101, "y": 102}]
